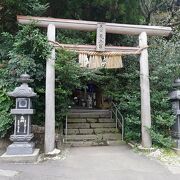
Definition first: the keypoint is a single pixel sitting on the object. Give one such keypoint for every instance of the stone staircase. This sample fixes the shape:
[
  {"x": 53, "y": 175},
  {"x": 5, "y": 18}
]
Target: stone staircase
[{"x": 91, "y": 128}]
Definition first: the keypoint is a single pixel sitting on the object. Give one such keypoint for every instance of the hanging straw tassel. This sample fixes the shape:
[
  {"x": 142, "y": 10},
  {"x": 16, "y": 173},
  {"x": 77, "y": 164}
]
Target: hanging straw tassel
[
  {"x": 98, "y": 60},
  {"x": 91, "y": 62},
  {"x": 114, "y": 62},
  {"x": 119, "y": 63},
  {"x": 108, "y": 61},
  {"x": 81, "y": 61},
  {"x": 86, "y": 60},
  {"x": 94, "y": 60},
  {"x": 104, "y": 62}
]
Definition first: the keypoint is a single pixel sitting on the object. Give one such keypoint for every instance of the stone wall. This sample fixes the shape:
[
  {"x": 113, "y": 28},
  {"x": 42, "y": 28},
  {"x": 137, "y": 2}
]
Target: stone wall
[
  {"x": 4, "y": 142},
  {"x": 39, "y": 134}
]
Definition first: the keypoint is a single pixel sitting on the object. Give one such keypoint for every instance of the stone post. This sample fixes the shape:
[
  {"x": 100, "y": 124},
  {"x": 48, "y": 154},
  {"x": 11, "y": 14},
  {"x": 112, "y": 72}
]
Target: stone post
[
  {"x": 145, "y": 92},
  {"x": 50, "y": 95}
]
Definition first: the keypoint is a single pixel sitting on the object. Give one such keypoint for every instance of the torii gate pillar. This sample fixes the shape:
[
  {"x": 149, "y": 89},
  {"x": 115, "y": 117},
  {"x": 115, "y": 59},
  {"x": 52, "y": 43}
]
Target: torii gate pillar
[
  {"x": 49, "y": 144},
  {"x": 145, "y": 92}
]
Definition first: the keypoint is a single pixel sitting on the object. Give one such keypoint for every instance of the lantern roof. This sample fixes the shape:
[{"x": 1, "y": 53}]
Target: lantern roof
[{"x": 23, "y": 90}]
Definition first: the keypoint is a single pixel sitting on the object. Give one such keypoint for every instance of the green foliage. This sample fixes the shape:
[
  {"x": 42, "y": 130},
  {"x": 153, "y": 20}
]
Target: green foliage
[
  {"x": 28, "y": 53},
  {"x": 98, "y": 10},
  {"x": 25, "y": 52},
  {"x": 5, "y": 104},
  {"x": 68, "y": 75},
  {"x": 75, "y": 37},
  {"x": 9, "y": 9},
  {"x": 5, "y": 123},
  {"x": 4, "y": 101},
  {"x": 123, "y": 87},
  {"x": 164, "y": 68},
  {"x": 161, "y": 140}
]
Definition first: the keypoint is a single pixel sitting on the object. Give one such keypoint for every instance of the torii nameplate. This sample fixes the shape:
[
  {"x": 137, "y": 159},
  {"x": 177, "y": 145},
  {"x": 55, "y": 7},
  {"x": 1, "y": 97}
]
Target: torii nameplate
[{"x": 101, "y": 37}]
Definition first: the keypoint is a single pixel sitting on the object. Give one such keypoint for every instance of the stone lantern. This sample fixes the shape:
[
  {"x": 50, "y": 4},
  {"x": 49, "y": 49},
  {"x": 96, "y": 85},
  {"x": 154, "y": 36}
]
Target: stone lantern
[
  {"x": 175, "y": 99},
  {"x": 22, "y": 144}
]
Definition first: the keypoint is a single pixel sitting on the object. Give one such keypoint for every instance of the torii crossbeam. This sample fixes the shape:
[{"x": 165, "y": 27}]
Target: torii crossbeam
[{"x": 52, "y": 23}]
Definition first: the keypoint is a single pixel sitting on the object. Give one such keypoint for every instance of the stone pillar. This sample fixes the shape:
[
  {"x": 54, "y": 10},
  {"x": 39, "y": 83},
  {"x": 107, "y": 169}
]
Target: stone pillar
[
  {"x": 50, "y": 95},
  {"x": 145, "y": 92}
]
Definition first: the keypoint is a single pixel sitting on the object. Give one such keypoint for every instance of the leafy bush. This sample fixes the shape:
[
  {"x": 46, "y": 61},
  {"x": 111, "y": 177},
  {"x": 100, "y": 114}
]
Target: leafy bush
[
  {"x": 5, "y": 119},
  {"x": 5, "y": 123},
  {"x": 27, "y": 52},
  {"x": 5, "y": 104},
  {"x": 68, "y": 74},
  {"x": 164, "y": 69}
]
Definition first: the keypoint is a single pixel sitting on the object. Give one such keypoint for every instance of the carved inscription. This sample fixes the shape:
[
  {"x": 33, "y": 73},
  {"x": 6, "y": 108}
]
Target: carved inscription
[
  {"x": 21, "y": 125},
  {"x": 101, "y": 37}
]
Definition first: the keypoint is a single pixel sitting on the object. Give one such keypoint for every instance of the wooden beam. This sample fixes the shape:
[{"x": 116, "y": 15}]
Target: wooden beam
[
  {"x": 119, "y": 49},
  {"x": 114, "y": 28}
]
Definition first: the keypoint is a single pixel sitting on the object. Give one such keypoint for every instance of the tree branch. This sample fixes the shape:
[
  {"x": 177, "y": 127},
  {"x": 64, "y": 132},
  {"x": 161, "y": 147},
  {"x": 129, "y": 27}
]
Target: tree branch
[{"x": 157, "y": 6}]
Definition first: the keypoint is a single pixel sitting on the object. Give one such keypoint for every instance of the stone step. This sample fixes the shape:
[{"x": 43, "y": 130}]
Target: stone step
[
  {"x": 82, "y": 120},
  {"x": 79, "y": 131},
  {"x": 90, "y": 125},
  {"x": 92, "y": 143},
  {"x": 103, "y": 125},
  {"x": 94, "y": 137},
  {"x": 105, "y": 130},
  {"x": 89, "y": 120},
  {"x": 106, "y": 114},
  {"x": 72, "y": 131},
  {"x": 92, "y": 120},
  {"x": 84, "y": 137},
  {"x": 89, "y": 110},
  {"x": 91, "y": 128},
  {"x": 76, "y": 120},
  {"x": 105, "y": 120},
  {"x": 85, "y": 143},
  {"x": 91, "y": 131},
  {"x": 86, "y": 131},
  {"x": 78, "y": 125}
]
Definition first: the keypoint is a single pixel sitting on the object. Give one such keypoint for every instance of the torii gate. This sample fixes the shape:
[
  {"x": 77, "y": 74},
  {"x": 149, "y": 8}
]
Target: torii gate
[{"x": 52, "y": 23}]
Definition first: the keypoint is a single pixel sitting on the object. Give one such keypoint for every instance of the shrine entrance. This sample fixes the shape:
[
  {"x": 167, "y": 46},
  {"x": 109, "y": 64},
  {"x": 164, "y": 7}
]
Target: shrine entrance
[
  {"x": 97, "y": 56},
  {"x": 86, "y": 98},
  {"x": 91, "y": 97}
]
